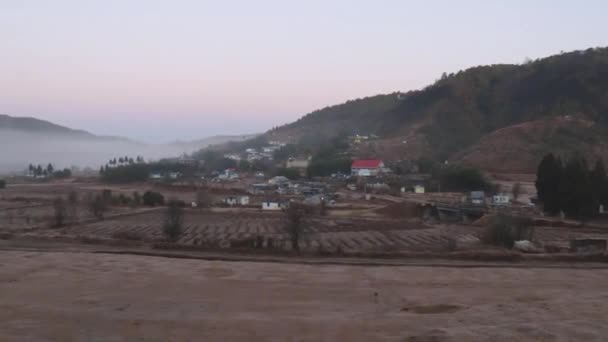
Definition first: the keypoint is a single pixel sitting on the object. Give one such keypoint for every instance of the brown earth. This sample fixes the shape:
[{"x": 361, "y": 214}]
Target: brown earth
[
  {"x": 519, "y": 148},
  {"x": 101, "y": 297}
]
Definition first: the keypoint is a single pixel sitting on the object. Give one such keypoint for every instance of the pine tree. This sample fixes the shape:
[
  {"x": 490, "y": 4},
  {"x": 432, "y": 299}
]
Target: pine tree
[
  {"x": 599, "y": 182},
  {"x": 548, "y": 184}
]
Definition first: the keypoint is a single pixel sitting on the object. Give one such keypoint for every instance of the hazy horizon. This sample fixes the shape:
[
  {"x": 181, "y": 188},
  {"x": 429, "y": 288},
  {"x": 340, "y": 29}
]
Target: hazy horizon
[{"x": 161, "y": 71}]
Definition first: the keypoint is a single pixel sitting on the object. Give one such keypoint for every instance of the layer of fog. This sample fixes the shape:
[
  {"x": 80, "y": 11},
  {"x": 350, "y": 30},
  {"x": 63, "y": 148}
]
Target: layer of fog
[{"x": 19, "y": 149}]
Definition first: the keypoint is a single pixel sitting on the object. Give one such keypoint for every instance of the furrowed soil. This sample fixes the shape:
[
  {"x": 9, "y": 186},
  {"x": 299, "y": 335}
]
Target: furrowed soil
[{"x": 58, "y": 296}]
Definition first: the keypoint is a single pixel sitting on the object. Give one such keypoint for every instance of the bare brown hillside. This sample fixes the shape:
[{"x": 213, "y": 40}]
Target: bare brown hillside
[{"x": 520, "y": 147}]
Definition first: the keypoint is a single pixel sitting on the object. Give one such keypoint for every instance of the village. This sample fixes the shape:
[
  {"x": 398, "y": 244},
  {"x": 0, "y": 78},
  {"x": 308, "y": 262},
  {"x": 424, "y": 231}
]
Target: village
[{"x": 368, "y": 208}]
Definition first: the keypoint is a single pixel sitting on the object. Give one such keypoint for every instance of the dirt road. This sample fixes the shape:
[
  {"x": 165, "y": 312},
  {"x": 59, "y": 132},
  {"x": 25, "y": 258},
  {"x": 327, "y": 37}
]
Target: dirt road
[{"x": 54, "y": 296}]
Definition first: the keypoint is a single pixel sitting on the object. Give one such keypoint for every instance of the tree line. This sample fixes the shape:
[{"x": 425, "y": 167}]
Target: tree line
[
  {"x": 49, "y": 170},
  {"x": 571, "y": 187}
]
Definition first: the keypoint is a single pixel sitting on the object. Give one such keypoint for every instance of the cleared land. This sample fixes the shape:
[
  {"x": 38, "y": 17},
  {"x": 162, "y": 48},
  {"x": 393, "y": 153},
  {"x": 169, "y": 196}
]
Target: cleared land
[{"x": 100, "y": 297}]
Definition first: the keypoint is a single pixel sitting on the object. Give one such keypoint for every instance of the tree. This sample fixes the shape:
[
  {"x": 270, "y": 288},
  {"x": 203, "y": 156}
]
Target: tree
[
  {"x": 101, "y": 170},
  {"x": 136, "y": 198},
  {"x": 516, "y": 190},
  {"x": 294, "y": 228},
  {"x": 59, "y": 211},
  {"x": 599, "y": 182},
  {"x": 172, "y": 228},
  {"x": 548, "y": 179},
  {"x": 2, "y": 184},
  {"x": 39, "y": 170},
  {"x": 73, "y": 203},
  {"x": 203, "y": 200},
  {"x": 153, "y": 198},
  {"x": 575, "y": 191},
  {"x": 503, "y": 230},
  {"x": 97, "y": 206},
  {"x": 49, "y": 169}
]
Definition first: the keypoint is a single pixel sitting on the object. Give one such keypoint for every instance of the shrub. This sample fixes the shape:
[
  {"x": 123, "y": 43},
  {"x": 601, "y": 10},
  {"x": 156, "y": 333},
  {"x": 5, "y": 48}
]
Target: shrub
[
  {"x": 503, "y": 230},
  {"x": 172, "y": 228},
  {"x": 153, "y": 198}
]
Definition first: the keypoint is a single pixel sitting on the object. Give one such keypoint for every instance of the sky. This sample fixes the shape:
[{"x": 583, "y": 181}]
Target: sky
[{"x": 158, "y": 71}]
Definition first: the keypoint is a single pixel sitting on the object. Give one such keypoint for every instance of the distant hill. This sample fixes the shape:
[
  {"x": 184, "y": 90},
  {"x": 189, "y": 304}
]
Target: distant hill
[
  {"x": 29, "y": 140},
  {"x": 463, "y": 112},
  {"x": 36, "y": 126}
]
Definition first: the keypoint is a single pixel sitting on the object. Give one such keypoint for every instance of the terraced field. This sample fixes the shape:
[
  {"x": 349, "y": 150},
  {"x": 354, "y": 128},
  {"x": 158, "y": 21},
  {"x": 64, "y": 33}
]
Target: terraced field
[{"x": 239, "y": 229}]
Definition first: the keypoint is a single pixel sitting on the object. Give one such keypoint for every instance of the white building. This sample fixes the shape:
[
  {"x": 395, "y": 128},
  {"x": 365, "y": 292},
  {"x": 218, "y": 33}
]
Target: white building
[
  {"x": 273, "y": 205},
  {"x": 501, "y": 199},
  {"x": 236, "y": 200},
  {"x": 419, "y": 189}
]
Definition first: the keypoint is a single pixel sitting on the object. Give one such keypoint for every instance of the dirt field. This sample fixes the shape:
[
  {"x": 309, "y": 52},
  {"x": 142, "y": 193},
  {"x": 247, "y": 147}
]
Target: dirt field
[{"x": 100, "y": 297}]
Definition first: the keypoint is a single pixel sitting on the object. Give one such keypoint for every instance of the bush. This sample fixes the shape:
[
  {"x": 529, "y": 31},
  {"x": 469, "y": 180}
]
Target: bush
[
  {"x": 504, "y": 230},
  {"x": 172, "y": 228},
  {"x": 153, "y": 198},
  {"x": 462, "y": 179},
  {"x": 2, "y": 184}
]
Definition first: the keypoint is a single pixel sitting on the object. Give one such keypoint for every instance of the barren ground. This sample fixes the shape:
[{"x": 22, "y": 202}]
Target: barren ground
[{"x": 56, "y": 296}]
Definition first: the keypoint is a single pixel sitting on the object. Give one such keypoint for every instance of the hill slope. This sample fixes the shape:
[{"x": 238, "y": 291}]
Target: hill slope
[{"x": 454, "y": 114}]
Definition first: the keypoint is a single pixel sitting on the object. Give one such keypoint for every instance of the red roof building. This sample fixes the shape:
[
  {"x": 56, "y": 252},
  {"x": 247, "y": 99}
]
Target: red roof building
[{"x": 367, "y": 167}]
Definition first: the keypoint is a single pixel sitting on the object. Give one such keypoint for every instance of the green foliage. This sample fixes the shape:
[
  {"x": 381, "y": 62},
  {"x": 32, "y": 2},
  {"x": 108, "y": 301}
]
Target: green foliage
[
  {"x": 153, "y": 198},
  {"x": 572, "y": 188},
  {"x": 548, "y": 179},
  {"x": 126, "y": 173},
  {"x": 457, "y": 178},
  {"x": 65, "y": 173},
  {"x": 214, "y": 160},
  {"x": 326, "y": 167},
  {"x": 504, "y": 230},
  {"x": 285, "y": 152},
  {"x": 174, "y": 218},
  {"x": 464, "y": 106}
]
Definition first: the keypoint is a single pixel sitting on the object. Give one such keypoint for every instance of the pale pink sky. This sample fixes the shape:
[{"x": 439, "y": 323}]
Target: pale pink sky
[{"x": 164, "y": 70}]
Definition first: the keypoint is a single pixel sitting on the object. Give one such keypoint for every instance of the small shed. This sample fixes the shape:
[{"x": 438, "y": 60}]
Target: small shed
[{"x": 419, "y": 189}]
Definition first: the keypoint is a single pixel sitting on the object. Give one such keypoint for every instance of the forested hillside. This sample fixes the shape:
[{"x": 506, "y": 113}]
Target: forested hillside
[{"x": 457, "y": 111}]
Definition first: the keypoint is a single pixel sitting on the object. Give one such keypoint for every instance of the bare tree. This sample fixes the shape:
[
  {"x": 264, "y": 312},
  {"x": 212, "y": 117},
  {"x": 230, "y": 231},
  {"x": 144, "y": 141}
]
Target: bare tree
[
  {"x": 203, "y": 200},
  {"x": 60, "y": 212},
  {"x": 174, "y": 219},
  {"x": 97, "y": 206},
  {"x": 294, "y": 228},
  {"x": 516, "y": 190},
  {"x": 73, "y": 203}
]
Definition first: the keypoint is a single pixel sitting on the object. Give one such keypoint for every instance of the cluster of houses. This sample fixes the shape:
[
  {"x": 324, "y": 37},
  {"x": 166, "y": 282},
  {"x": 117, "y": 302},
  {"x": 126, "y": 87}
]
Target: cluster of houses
[{"x": 253, "y": 154}]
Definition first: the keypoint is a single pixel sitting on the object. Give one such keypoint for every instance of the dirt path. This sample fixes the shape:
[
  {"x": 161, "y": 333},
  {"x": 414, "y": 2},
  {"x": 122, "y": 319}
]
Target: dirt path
[{"x": 103, "y": 297}]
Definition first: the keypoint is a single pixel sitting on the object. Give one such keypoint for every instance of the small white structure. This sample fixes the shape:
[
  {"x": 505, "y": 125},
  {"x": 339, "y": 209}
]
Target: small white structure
[
  {"x": 156, "y": 176},
  {"x": 501, "y": 199},
  {"x": 477, "y": 197},
  {"x": 273, "y": 205},
  {"x": 236, "y": 200},
  {"x": 175, "y": 175},
  {"x": 419, "y": 189}
]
